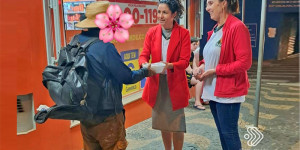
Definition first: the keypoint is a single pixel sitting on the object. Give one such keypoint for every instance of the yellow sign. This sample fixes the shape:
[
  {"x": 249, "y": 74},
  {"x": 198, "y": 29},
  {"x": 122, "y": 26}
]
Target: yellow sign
[{"x": 130, "y": 58}]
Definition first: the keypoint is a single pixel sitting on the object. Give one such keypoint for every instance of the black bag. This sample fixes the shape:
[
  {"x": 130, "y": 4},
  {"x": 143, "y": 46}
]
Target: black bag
[{"x": 67, "y": 84}]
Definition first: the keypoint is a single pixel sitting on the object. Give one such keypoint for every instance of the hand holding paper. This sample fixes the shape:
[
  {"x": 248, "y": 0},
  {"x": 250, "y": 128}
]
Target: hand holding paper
[{"x": 156, "y": 67}]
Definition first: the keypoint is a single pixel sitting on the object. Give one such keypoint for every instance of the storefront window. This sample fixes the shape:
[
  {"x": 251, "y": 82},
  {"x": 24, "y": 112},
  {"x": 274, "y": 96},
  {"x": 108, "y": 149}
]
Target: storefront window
[{"x": 73, "y": 10}]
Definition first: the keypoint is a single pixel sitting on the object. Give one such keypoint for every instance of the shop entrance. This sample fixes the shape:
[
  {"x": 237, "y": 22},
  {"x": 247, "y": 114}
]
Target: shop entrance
[{"x": 289, "y": 39}]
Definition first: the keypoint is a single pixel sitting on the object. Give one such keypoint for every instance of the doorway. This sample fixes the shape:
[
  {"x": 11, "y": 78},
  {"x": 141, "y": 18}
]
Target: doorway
[{"x": 289, "y": 39}]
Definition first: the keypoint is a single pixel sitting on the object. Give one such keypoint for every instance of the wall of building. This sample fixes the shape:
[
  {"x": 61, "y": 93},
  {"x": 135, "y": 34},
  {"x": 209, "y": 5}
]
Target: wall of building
[
  {"x": 274, "y": 19},
  {"x": 271, "y": 47},
  {"x": 252, "y": 13},
  {"x": 22, "y": 60},
  {"x": 252, "y": 16},
  {"x": 208, "y": 24}
]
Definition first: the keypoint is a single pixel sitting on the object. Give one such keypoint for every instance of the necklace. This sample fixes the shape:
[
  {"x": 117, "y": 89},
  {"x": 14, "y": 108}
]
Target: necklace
[
  {"x": 166, "y": 33},
  {"x": 216, "y": 29}
]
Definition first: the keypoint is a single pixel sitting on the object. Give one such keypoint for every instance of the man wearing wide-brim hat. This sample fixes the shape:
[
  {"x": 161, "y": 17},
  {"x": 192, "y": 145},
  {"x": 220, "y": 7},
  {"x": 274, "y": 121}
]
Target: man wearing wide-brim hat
[{"x": 106, "y": 130}]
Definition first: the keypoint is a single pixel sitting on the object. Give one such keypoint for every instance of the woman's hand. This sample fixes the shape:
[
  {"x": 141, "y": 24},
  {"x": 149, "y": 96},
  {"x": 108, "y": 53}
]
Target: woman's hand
[
  {"x": 198, "y": 71},
  {"x": 189, "y": 70},
  {"x": 168, "y": 66},
  {"x": 145, "y": 65},
  {"x": 207, "y": 74},
  {"x": 150, "y": 71}
]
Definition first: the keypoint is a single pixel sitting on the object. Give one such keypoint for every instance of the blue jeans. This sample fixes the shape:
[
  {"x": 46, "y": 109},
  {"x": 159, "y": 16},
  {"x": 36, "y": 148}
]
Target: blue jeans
[{"x": 226, "y": 117}]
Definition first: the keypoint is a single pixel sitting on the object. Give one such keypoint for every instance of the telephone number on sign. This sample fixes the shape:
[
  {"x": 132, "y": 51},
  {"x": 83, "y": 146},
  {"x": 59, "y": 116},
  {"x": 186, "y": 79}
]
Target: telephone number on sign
[{"x": 142, "y": 15}]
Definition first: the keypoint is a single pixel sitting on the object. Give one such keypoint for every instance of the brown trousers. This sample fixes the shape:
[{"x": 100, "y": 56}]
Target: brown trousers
[{"x": 108, "y": 135}]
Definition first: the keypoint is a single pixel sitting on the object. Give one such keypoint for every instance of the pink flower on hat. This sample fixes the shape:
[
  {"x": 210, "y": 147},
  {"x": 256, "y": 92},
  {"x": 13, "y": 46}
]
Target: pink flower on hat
[{"x": 114, "y": 24}]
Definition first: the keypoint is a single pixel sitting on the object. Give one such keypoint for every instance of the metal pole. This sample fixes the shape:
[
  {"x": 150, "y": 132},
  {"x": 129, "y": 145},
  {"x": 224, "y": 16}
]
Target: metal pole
[
  {"x": 202, "y": 18},
  {"x": 56, "y": 27},
  {"x": 48, "y": 32},
  {"x": 243, "y": 11},
  {"x": 63, "y": 27},
  {"x": 260, "y": 60}
]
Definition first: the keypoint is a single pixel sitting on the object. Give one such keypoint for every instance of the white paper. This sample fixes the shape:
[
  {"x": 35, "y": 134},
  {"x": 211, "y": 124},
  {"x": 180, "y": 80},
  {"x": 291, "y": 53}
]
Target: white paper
[{"x": 156, "y": 67}]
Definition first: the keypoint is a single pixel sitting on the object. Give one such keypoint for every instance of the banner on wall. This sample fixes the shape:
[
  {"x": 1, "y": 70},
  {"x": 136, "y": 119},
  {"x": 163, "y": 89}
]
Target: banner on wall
[
  {"x": 283, "y": 5},
  {"x": 130, "y": 58},
  {"x": 142, "y": 12}
]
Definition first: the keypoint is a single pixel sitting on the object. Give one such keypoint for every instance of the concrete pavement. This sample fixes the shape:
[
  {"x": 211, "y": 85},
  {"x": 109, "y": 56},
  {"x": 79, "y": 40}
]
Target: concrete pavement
[{"x": 278, "y": 119}]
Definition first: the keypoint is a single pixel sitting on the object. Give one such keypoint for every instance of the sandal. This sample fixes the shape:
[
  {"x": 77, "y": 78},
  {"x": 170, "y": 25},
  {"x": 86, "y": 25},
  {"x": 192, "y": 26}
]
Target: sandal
[
  {"x": 199, "y": 108},
  {"x": 205, "y": 103}
]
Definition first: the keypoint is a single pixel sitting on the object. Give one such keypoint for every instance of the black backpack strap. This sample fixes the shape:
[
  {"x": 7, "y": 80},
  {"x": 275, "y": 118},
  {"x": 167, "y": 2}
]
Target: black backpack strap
[
  {"x": 89, "y": 42},
  {"x": 74, "y": 40},
  {"x": 64, "y": 53}
]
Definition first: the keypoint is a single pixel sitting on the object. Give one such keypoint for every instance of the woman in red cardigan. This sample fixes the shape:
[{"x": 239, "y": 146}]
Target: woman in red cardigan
[
  {"x": 167, "y": 92},
  {"x": 227, "y": 56}
]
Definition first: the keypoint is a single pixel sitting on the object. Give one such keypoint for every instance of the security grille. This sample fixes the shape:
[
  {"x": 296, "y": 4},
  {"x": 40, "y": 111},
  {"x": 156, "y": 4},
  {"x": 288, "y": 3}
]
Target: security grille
[
  {"x": 25, "y": 114},
  {"x": 19, "y": 106}
]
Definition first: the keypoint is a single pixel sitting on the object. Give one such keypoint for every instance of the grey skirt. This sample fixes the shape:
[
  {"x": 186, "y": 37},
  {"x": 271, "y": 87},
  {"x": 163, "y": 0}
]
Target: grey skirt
[{"x": 163, "y": 116}]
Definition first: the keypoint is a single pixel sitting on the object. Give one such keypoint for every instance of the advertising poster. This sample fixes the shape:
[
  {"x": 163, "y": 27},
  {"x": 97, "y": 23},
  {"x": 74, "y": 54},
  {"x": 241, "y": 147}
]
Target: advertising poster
[
  {"x": 130, "y": 58},
  {"x": 73, "y": 9},
  {"x": 143, "y": 82}
]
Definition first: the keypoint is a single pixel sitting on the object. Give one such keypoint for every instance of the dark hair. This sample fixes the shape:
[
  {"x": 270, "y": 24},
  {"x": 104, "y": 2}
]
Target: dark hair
[
  {"x": 194, "y": 39},
  {"x": 174, "y": 6},
  {"x": 232, "y": 6}
]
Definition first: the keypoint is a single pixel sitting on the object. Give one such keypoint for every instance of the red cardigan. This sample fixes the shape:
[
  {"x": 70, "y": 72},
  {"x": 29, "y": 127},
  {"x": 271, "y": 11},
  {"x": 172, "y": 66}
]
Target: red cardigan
[
  {"x": 179, "y": 51},
  {"x": 235, "y": 59}
]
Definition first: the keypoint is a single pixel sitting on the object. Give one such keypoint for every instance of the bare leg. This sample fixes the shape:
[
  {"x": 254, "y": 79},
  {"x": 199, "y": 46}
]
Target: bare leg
[
  {"x": 198, "y": 89},
  {"x": 167, "y": 139},
  {"x": 178, "y": 138}
]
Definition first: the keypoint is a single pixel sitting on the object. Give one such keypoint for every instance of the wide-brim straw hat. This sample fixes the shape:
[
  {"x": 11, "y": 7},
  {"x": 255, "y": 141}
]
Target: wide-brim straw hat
[{"x": 91, "y": 11}]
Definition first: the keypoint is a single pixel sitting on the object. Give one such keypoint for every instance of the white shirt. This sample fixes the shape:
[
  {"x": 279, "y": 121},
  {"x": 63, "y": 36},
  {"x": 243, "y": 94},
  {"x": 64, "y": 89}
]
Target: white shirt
[
  {"x": 164, "y": 50},
  {"x": 211, "y": 55}
]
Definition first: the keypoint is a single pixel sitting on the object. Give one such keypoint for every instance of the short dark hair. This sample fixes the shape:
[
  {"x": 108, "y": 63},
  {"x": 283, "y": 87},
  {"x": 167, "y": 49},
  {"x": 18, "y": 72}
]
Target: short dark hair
[
  {"x": 232, "y": 6},
  {"x": 174, "y": 6},
  {"x": 194, "y": 39}
]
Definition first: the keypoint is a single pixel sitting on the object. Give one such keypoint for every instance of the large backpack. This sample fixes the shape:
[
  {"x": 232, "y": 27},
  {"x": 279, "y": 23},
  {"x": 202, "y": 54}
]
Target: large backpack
[{"x": 67, "y": 84}]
